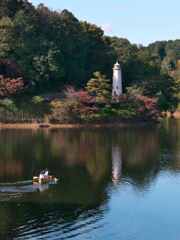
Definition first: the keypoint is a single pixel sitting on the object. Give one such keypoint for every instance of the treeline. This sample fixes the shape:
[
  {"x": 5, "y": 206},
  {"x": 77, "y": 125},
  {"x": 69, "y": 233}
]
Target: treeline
[
  {"x": 152, "y": 71},
  {"x": 43, "y": 50},
  {"x": 52, "y": 49}
]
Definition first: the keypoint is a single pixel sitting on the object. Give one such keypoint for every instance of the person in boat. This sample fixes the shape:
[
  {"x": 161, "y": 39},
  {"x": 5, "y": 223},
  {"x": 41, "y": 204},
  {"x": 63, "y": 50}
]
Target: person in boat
[{"x": 44, "y": 175}]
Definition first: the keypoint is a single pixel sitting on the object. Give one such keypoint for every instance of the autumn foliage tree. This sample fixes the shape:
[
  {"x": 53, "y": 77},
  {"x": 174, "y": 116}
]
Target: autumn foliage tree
[
  {"x": 77, "y": 106},
  {"x": 147, "y": 107},
  {"x": 9, "y": 87},
  {"x": 81, "y": 95},
  {"x": 11, "y": 81}
]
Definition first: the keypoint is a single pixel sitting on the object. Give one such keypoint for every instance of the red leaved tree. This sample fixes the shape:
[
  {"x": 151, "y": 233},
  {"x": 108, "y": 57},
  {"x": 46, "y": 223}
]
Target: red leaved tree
[
  {"x": 11, "y": 81},
  {"x": 148, "y": 107},
  {"x": 81, "y": 96},
  {"x": 9, "y": 87}
]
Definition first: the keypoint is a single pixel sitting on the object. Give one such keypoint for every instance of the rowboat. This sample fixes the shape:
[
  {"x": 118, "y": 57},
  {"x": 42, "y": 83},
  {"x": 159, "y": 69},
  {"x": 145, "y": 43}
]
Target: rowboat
[{"x": 45, "y": 180}]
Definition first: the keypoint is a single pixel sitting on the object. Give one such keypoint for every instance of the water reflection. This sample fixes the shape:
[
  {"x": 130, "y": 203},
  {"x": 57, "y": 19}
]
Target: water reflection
[
  {"x": 89, "y": 163},
  {"x": 116, "y": 164},
  {"x": 89, "y": 157}
]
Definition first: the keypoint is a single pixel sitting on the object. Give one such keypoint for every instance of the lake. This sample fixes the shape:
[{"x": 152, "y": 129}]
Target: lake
[{"x": 113, "y": 183}]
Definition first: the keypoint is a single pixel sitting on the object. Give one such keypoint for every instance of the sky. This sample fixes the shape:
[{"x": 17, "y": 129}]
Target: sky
[{"x": 140, "y": 21}]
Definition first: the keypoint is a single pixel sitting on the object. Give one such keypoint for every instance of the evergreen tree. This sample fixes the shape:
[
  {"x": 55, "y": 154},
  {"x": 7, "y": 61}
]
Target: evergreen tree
[{"x": 100, "y": 87}]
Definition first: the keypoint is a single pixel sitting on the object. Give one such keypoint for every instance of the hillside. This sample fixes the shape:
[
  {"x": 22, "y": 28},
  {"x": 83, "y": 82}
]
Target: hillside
[{"x": 43, "y": 50}]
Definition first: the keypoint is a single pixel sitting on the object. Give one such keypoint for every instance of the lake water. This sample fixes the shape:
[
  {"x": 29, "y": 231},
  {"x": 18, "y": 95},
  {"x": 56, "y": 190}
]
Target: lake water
[{"x": 121, "y": 184}]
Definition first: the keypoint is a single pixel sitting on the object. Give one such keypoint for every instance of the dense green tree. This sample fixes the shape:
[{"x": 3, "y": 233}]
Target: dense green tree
[
  {"x": 7, "y": 35},
  {"x": 125, "y": 51},
  {"x": 9, "y": 8},
  {"x": 52, "y": 48}
]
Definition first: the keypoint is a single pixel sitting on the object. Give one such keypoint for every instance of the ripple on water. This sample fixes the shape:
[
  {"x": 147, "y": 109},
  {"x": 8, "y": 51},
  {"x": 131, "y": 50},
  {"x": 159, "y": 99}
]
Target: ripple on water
[
  {"x": 59, "y": 228},
  {"x": 5, "y": 197}
]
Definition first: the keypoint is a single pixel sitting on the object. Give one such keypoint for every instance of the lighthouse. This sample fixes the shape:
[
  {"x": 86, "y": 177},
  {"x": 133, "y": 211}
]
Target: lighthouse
[{"x": 117, "y": 81}]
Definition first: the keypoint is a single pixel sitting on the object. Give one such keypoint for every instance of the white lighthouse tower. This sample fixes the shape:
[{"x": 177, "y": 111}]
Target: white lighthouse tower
[{"x": 117, "y": 81}]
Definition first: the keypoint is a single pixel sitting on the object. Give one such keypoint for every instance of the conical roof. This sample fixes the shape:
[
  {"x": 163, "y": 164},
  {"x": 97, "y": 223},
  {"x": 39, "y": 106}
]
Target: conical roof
[{"x": 117, "y": 66}]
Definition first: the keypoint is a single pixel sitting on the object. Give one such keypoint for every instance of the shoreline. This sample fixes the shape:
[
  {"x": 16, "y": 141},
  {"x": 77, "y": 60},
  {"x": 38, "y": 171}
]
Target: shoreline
[
  {"x": 175, "y": 115},
  {"x": 37, "y": 126}
]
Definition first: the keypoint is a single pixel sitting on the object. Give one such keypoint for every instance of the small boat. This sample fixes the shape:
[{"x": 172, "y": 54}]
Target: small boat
[{"x": 45, "y": 180}]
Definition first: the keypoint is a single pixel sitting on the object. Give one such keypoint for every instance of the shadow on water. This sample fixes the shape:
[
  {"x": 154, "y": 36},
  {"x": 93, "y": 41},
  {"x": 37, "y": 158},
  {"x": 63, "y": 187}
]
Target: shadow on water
[{"x": 89, "y": 163}]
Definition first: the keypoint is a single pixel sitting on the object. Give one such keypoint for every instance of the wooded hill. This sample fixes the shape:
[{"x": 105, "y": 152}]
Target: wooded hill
[{"x": 47, "y": 50}]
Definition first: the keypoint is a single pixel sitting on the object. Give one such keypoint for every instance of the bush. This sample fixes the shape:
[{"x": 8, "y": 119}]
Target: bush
[
  {"x": 8, "y": 104},
  {"x": 147, "y": 108},
  {"x": 9, "y": 87},
  {"x": 80, "y": 96},
  {"x": 71, "y": 111},
  {"x": 80, "y": 106},
  {"x": 37, "y": 99},
  {"x": 63, "y": 111}
]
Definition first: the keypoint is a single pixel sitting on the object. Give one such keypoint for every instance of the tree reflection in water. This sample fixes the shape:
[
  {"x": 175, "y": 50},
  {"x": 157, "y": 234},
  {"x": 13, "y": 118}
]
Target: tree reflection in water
[{"x": 96, "y": 156}]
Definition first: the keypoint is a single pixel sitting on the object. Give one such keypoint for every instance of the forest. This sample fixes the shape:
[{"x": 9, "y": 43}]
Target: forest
[{"x": 43, "y": 52}]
